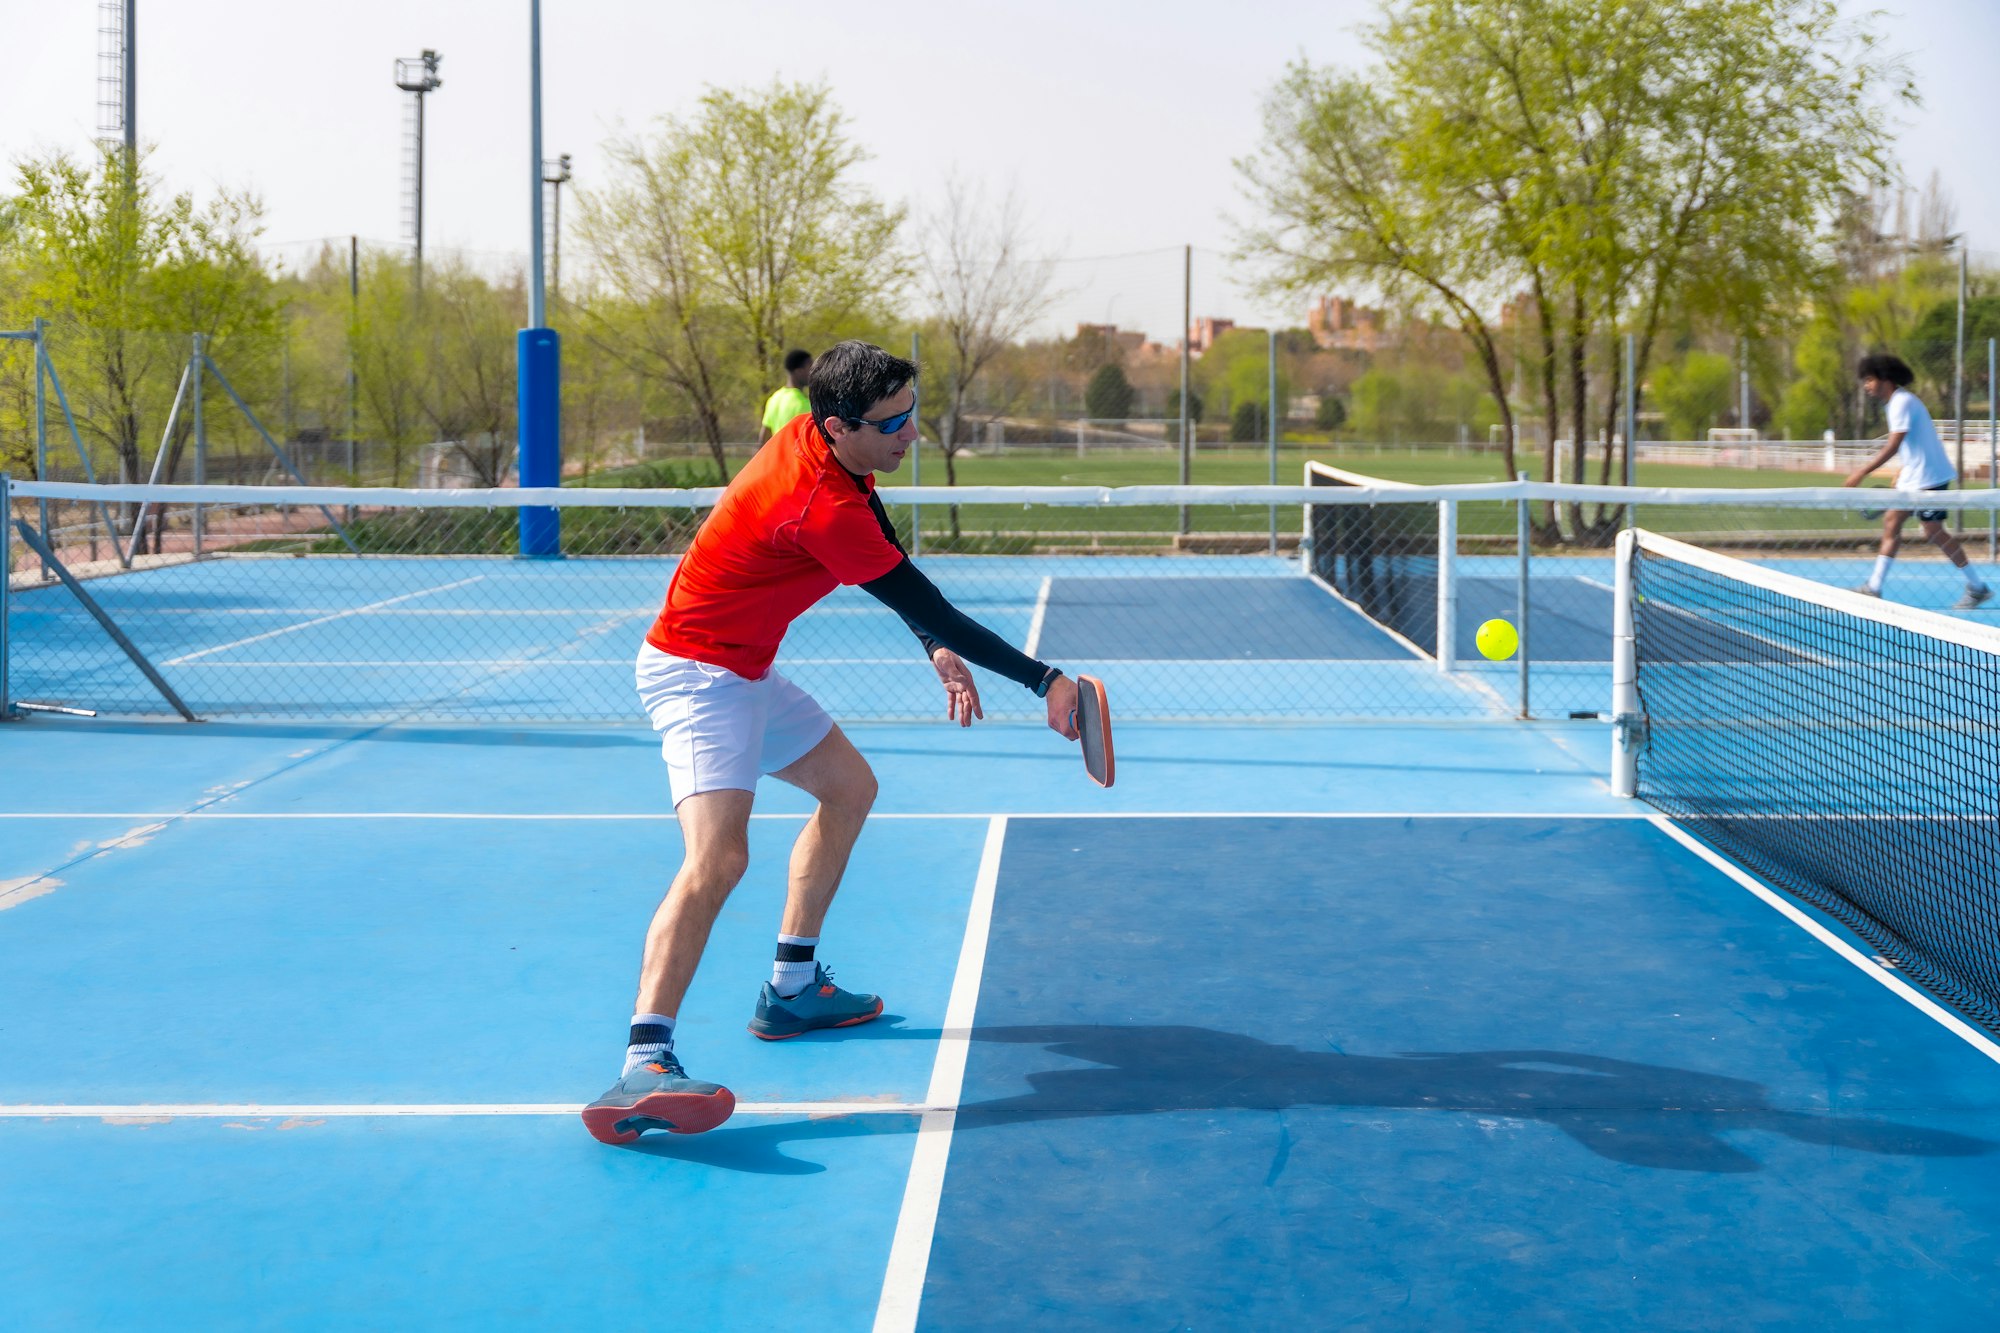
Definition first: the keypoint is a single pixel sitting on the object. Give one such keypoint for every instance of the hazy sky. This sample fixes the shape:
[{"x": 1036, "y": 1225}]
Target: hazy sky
[{"x": 1116, "y": 121}]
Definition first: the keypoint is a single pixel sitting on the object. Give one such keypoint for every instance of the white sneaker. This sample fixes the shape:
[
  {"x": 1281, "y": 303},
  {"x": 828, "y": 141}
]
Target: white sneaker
[
  {"x": 1865, "y": 590},
  {"x": 1973, "y": 599}
]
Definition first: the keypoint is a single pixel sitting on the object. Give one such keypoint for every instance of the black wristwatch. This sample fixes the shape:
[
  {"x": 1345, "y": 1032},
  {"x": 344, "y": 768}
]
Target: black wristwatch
[{"x": 1048, "y": 682}]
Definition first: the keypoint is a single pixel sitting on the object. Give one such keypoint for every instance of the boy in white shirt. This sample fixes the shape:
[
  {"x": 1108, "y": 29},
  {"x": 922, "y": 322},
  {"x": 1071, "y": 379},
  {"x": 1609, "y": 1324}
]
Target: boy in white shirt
[{"x": 1914, "y": 439}]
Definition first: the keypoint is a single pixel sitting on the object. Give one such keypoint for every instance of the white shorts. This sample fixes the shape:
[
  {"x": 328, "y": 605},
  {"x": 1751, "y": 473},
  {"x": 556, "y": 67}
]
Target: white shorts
[{"x": 720, "y": 732}]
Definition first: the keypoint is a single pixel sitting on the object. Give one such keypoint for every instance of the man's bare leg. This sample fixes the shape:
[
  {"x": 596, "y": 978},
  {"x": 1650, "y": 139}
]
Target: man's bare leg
[
  {"x": 833, "y": 773},
  {"x": 1892, "y": 532},
  {"x": 655, "y": 1092},
  {"x": 716, "y": 828},
  {"x": 1941, "y": 538},
  {"x": 1976, "y": 592},
  {"x": 838, "y": 777}
]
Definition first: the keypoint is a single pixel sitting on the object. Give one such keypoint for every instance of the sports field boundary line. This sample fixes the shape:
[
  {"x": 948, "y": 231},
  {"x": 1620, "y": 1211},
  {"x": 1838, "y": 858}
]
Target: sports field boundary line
[
  {"x": 916, "y": 1220},
  {"x": 362, "y": 1110},
  {"x": 1923, "y": 1003},
  {"x": 893, "y": 815},
  {"x": 1034, "y": 639},
  {"x": 322, "y": 620}
]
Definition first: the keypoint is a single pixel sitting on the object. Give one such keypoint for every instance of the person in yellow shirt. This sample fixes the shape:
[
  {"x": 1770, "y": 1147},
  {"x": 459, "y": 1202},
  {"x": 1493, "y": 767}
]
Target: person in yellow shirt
[{"x": 790, "y": 400}]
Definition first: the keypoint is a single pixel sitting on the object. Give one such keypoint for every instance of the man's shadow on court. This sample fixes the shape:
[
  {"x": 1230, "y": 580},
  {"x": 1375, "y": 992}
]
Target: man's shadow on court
[{"x": 1635, "y": 1114}]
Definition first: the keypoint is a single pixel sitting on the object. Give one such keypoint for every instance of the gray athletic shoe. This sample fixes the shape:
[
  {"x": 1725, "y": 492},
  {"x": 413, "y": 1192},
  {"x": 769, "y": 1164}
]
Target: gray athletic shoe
[
  {"x": 1974, "y": 599},
  {"x": 1865, "y": 590},
  {"x": 820, "y": 1005}
]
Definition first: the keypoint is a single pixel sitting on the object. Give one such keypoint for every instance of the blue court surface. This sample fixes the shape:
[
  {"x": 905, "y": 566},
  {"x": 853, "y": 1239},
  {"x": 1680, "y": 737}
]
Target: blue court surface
[
  {"x": 1247, "y": 638},
  {"x": 1314, "y": 1026}
]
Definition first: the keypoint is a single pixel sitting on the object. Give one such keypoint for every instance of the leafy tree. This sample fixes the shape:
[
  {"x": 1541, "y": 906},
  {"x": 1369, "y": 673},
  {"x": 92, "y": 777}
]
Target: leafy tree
[
  {"x": 728, "y": 237},
  {"x": 1108, "y": 396},
  {"x": 1694, "y": 393},
  {"x": 1174, "y": 405},
  {"x": 1616, "y": 162},
  {"x": 1933, "y": 343},
  {"x": 1248, "y": 423},
  {"x": 125, "y": 275},
  {"x": 982, "y": 287},
  {"x": 1331, "y": 414}
]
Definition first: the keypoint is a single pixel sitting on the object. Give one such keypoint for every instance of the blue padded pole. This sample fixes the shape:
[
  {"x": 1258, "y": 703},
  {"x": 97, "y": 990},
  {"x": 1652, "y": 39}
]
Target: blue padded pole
[{"x": 540, "y": 360}]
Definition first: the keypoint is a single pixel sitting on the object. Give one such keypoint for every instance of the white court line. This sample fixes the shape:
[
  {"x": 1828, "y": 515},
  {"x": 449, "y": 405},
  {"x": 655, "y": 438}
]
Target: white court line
[
  {"x": 212, "y": 1110},
  {"x": 308, "y": 624},
  {"x": 1951, "y": 1022},
  {"x": 916, "y": 1222},
  {"x": 1034, "y": 639},
  {"x": 903, "y": 660},
  {"x": 666, "y": 816}
]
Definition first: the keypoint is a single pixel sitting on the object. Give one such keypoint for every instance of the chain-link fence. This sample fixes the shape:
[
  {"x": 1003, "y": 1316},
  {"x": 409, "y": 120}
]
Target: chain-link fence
[{"x": 1349, "y": 600}]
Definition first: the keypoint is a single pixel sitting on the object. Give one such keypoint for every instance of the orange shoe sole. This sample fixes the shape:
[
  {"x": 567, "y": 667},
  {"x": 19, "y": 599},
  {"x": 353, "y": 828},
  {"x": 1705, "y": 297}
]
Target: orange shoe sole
[
  {"x": 675, "y": 1112},
  {"x": 843, "y": 1023}
]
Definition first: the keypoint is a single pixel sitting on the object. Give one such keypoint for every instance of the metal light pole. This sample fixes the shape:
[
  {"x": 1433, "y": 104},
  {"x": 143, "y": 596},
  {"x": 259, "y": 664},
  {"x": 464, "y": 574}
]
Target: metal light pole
[
  {"x": 557, "y": 174},
  {"x": 1271, "y": 420},
  {"x": 1958, "y": 381},
  {"x": 538, "y": 353},
  {"x": 353, "y": 383},
  {"x": 417, "y": 77},
  {"x": 118, "y": 79},
  {"x": 1187, "y": 338},
  {"x": 131, "y": 99},
  {"x": 1743, "y": 383}
]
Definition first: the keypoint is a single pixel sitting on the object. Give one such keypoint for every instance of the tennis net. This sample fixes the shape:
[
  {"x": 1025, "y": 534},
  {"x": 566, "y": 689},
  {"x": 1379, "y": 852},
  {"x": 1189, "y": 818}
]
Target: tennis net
[
  {"x": 359, "y": 604},
  {"x": 1382, "y": 558},
  {"x": 1845, "y": 749}
]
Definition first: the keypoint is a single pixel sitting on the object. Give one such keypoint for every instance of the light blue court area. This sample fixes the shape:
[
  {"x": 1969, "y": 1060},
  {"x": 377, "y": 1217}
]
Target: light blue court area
[{"x": 1297, "y": 1026}]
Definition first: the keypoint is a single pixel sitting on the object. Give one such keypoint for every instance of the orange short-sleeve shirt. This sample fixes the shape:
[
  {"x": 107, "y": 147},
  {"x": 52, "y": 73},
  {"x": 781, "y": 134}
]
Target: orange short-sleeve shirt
[{"x": 791, "y": 527}]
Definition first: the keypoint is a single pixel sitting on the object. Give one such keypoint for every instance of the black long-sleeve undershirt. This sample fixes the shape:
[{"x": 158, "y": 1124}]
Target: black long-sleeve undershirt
[{"x": 939, "y": 624}]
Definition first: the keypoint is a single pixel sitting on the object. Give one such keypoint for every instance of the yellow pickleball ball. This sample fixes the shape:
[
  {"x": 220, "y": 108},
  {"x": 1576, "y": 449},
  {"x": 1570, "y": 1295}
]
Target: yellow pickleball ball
[{"x": 1497, "y": 640}]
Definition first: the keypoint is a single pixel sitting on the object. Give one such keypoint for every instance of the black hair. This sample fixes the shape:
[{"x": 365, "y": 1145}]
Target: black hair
[
  {"x": 1882, "y": 366},
  {"x": 797, "y": 357},
  {"x": 851, "y": 377}
]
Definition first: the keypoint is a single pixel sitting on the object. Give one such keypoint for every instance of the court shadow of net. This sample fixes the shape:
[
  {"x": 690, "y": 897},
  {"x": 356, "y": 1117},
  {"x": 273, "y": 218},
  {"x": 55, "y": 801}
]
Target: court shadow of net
[{"x": 1635, "y": 1114}]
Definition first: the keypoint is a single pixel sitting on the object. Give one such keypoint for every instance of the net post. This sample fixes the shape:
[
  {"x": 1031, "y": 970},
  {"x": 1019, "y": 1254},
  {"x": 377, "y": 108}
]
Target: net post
[
  {"x": 1624, "y": 674},
  {"x": 1524, "y": 552},
  {"x": 199, "y": 360},
  {"x": 6, "y": 587},
  {"x": 917, "y": 459},
  {"x": 538, "y": 371},
  {"x": 41, "y": 433},
  {"x": 1447, "y": 608}
]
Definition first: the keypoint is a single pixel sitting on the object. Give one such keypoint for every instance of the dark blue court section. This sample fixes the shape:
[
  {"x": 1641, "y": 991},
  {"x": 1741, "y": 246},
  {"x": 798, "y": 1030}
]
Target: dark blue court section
[
  {"x": 1569, "y": 618},
  {"x": 1182, "y": 619},
  {"x": 1254, "y": 1073}
]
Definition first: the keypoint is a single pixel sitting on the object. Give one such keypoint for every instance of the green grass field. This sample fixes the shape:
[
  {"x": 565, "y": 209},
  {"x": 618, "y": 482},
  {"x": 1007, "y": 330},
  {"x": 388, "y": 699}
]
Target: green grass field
[{"x": 1011, "y": 527}]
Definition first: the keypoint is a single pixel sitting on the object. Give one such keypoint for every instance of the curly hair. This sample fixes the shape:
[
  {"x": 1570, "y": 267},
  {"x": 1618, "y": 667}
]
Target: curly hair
[{"x": 1882, "y": 366}]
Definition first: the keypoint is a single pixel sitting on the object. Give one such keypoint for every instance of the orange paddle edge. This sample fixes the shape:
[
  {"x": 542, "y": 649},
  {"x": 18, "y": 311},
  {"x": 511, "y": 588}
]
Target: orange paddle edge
[{"x": 1093, "y": 723}]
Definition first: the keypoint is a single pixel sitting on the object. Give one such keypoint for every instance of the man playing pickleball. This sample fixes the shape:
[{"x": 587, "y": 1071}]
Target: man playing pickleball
[
  {"x": 1913, "y": 439},
  {"x": 801, "y": 519}
]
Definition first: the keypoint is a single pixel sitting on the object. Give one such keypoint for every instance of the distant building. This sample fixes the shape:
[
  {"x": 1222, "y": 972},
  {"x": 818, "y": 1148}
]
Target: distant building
[
  {"x": 1208, "y": 328},
  {"x": 1337, "y": 322},
  {"x": 1126, "y": 342}
]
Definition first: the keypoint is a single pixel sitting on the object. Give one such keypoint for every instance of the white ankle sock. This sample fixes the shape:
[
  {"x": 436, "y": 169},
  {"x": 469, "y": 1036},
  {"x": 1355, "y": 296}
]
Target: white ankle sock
[
  {"x": 1973, "y": 582},
  {"x": 794, "y": 968},
  {"x": 644, "y": 1045},
  {"x": 1881, "y": 574}
]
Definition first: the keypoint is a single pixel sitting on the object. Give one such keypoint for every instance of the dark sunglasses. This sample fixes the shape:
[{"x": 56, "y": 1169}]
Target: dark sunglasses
[{"x": 887, "y": 425}]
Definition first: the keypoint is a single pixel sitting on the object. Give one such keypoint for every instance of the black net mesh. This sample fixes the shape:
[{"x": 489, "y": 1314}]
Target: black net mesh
[
  {"x": 1382, "y": 558},
  {"x": 1852, "y": 762}
]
